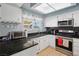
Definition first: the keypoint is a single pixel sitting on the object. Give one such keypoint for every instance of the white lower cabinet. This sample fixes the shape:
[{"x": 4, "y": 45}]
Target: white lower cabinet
[
  {"x": 43, "y": 42},
  {"x": 76, "y": 47},
  {"x": 27, "y": 52},
  {"x": 76, "y": 51}
]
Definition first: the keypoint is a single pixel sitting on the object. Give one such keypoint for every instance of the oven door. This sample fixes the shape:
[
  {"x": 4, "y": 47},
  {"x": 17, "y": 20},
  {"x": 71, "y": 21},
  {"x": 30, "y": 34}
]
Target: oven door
[{"x": 66, "y": 46}]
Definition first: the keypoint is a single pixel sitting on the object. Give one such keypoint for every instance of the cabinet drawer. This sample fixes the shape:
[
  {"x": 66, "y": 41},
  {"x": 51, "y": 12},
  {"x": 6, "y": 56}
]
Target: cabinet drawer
[
  {"x": 76, "y": 51},
  {"x": 76, "y": 44},
  {"x": 27, "y": 52},
  {"x": 76, "y": 40},
  {"x": 75, "y": 48}
]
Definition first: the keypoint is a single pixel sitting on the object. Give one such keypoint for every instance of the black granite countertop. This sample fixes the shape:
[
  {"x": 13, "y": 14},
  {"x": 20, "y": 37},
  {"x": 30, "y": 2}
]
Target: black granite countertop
[
  {"x": 10, "y": 47},
  {"x": 36, "y": 36},
  {"x": 27, "y": 45}
]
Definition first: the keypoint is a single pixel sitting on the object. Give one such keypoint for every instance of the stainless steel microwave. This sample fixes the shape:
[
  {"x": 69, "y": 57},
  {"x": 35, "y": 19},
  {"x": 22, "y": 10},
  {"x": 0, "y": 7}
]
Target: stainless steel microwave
[{"x": 66, "y": 22}]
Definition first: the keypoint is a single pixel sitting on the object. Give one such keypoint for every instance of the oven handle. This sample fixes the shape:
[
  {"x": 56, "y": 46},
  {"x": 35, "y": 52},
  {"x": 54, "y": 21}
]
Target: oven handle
[{"x": 66, "y": 38}]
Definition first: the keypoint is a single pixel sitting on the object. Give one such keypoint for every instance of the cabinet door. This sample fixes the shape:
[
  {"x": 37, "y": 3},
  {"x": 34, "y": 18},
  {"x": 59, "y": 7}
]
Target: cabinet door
[
  {"x": 6, "y": 12},
  {"x": 18, "y": 14},
  {"x": 38, "y": 41},
  {"x": 76, "y": 51},
  {"x": 10, "y": 13},
  {"x": 0, "y": 11},
  {"x": 69, "y": 15},
  {"x": 50, "y": 22},
  {"x": 27, "y": 52},
  {"x": 76, "y": 19},
  {"x": 76, "y": 47},
  {"x": 75, "y": 40},
  {"x": 61, "y": 17},
  {"x": 44, "y": 42},
  {"x": 40, "y": 45},
  {"x": 65, "y": 16},
  {"x": 47, "y": 37}
]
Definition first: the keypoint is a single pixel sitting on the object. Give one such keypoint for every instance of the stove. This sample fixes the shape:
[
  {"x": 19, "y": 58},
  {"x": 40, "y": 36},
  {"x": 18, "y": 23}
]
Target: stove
[{"x": 64, "y": 45}]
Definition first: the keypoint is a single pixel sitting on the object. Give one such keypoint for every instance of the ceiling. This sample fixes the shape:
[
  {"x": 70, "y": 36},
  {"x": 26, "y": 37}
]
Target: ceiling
[
  {"x": 44, "y": 8},
  {"x": 51, "y": 7}
]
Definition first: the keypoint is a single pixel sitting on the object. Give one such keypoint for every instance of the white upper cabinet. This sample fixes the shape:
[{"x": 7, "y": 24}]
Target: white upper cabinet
[
  {"x": 74, "y": 15},
  {"x": 43, "y": 42},
  {"x": 76, "y": 18},
  {"x": 69, "y": 15},
  {"x": 50, "y": 22},
  {"x": 10, "y": 13},
  {"x": 0, "y": 11},
  {"x": 65, "y": 16},
  {"x": 61, "y": 17}
]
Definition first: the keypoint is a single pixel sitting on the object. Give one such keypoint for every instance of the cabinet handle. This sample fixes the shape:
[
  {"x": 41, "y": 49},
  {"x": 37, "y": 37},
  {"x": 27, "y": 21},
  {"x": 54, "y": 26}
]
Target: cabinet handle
[
  {"x": 0, "y": 17},
  {"x": 39, "y": 40},
  {"x": 0, "y": 5}
]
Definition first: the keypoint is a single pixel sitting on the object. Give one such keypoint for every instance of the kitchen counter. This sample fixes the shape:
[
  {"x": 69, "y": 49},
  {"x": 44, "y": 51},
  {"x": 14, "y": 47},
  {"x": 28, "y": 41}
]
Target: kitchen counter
[
  {"x": 11, "y": 47},
  {"x": 27, "y": 46},
  {"x": 35, "y": 35},
  {"x": 28, "y": 51}
]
